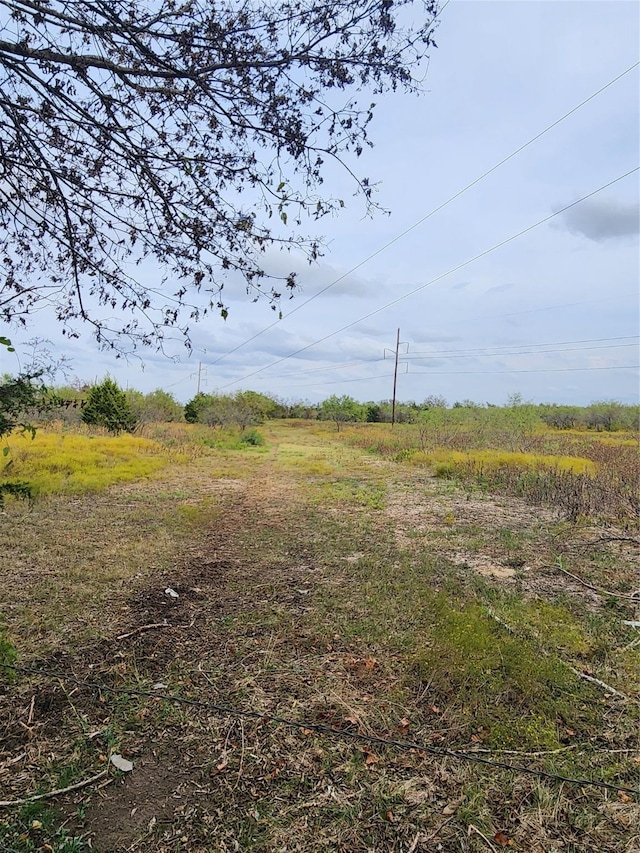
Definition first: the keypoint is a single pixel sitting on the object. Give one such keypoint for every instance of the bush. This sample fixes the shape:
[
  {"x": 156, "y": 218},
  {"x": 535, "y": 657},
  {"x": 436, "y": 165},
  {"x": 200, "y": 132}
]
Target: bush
[
  {"x": 108, "y": 407},
  {"x": 252, "y": 437}
]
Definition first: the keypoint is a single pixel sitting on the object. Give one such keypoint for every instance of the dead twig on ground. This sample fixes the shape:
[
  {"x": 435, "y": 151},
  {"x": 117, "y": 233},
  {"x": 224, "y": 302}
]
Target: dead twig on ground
[
  {"x": 57, "y": 792},
  {"x": 575, "y": 671},
  {"x": 474, "y": 829},
  {"x": 141, "y": 628},
  {"x": 597, "y": 681},
  {"x": 599, "y": 589}
]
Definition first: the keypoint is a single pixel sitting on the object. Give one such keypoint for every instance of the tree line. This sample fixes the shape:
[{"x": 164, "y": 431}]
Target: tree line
[{"x": 27, "y": 400}]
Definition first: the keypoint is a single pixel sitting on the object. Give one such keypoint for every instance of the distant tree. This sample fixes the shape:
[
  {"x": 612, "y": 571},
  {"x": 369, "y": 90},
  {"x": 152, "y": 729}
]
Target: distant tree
[
  {"x": 107, "y": 406},
  {"x": 194, "y": 407},
  {"x": 302, "y": 410},
  {"x": 262, "y": 406},
  {"x": 374, "y": 413},
  {"x": 341, "y": 410},
  {"x": 156, "y": 407},
  {"x": 607, "y": 415},
  {"x": 434, "y": 401},
  {"x": 194, "y": 134},
  {"x": 22, "y": 398},
  {"x": 560, "y": 417},
  {"x": 219, "y": 411}
]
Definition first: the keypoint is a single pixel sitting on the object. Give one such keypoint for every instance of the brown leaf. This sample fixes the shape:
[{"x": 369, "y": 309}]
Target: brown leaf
[
  {"x": 624, "y": 797},
  {"x": 370, "y": 757},
  {"x": 405, "y": 723},
  {"x": 390, "y": 816},
  {"x": 501, "y": 838}
]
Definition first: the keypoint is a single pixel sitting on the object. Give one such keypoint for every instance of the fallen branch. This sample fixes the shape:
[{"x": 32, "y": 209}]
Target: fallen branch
[
  {"x": 597, "y": 681},
  {"x": 56, "y": 793},
  {"x": 599, "y": 589},
  {"x": 163, "y": 624},
  {"x": 632, "y": 540}
]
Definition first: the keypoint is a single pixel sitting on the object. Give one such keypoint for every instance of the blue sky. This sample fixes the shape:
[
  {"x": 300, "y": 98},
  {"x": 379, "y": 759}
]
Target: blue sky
[{"x": 549, "y": 314}]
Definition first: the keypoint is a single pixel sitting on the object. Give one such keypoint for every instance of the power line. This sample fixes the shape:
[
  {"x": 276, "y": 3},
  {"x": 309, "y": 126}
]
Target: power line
[
  {"x": 553, "y": 307},
  {"x": 480, "y": 352},
  {"x": 537, "y": 370},
  {"x": 436, "y": 279},
  {"x": 541, "y": 344},
  {"x": 431, "y": 213},
  {"x": 321, "y": 728},
  {"x": 464, "y": 373},
  {"x": 412, "y": 357}
]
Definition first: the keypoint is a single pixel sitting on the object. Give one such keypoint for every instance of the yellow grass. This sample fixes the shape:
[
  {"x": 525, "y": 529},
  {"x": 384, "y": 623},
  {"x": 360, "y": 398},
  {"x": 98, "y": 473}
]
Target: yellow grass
[
  {"x": 74, "y": 463},
  {"x": 493, "y": 459}
]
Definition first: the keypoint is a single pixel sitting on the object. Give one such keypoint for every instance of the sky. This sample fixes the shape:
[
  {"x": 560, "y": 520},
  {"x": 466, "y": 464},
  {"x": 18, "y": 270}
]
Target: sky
[{"x": 552, "y": 314}]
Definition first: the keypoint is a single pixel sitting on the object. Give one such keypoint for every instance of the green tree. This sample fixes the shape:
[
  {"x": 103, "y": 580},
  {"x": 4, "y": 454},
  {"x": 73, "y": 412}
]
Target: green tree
[
  {"x": 108, "y": 407},
  {"x": 192, "y": 134},
  {"x": 195, "y": 406},
  {"x": 156, "y": 407},
  {"x": 605, "y": 415},
  {"x": 342, "y": 410}
]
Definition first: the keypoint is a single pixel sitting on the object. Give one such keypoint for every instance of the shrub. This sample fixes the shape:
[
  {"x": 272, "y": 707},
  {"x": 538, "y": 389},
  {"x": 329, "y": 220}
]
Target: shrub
[
  {"x": 108, "y": 407},
  {"x": 252, "y": 437}
]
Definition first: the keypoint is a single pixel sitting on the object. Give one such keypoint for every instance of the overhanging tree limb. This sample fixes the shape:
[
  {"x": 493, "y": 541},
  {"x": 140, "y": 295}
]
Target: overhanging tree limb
[{"x": 175, "y": 135}]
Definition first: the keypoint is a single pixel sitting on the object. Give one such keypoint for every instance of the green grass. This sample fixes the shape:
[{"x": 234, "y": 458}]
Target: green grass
[{"x": 35, "y": 828}]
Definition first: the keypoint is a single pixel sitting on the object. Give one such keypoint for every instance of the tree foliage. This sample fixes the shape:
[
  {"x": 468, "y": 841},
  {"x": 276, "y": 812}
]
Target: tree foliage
[
  {"x": 243, "y": 409},
  {"x": 156, "y": 407},
  {"x": 342, "y": 410},
  {"x": 190, "y": 134},
  {"x": 108, "y": 407}
]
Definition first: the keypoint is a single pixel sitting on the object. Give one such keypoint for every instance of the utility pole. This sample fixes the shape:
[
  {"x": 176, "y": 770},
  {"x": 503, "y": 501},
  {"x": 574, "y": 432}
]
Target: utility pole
[
  {"x": 201, "y": 370},
  {"x": 395, "y": 381},
  {"x": 396, "y": 355}
]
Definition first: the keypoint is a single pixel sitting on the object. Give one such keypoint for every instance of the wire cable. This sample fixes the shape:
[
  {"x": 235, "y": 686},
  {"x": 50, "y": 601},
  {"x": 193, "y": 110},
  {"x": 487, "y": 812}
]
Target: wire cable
[
  {"x": 480, "y": 352},
  {"x": 536, "y": 370},
  {"x": 321, "y": 728},
  {"x": 436, "y": 279},
  {"x": 431, "y": 213}
]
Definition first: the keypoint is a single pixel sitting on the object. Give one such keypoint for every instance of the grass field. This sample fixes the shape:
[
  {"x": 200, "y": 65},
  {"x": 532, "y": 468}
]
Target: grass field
[{"x": 420, "y": 616}]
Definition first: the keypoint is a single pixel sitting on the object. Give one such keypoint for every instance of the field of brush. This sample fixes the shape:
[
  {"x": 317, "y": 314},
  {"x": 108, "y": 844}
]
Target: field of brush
[{"x": 418, "y": 638}]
